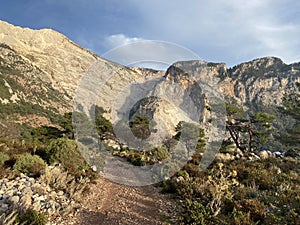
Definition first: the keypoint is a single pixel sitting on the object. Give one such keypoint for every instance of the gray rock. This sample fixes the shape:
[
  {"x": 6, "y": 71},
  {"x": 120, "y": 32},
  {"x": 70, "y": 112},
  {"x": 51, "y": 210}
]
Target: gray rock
[
  {"x": 94, "y": 168},
  {"x": 37, "y": 206},
  {"x": 264, "y": 154},
  {"x": 26, "y": 191},
  {"x": 15, "y": 199},
  {"x": 26, "y": 200},
  {"x": 4, "y": 207},
  {"x": 37, "y": 188},
  {"x": 238, "y": 156},
  {"x": 40, "y": 198},
  {"x": 5, "y": 197},
  {"x": 27, "y": 183},
  {"x": 31, "y": 180}
]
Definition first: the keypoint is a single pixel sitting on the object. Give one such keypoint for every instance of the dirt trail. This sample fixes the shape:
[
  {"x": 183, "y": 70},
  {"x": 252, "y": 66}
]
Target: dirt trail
[{"x": 109, "y": 203}]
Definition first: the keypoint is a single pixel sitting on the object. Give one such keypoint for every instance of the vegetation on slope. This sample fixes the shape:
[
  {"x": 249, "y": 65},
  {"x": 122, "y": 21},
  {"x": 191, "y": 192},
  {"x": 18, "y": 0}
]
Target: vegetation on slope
[{"x": 241, "y": 191}]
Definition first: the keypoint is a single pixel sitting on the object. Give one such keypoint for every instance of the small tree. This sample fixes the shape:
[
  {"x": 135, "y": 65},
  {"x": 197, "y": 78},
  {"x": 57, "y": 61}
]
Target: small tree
[
  {"x": 140, "y": 126},
  {"x": 104, "y": 126},
  {"x": 248, "y": 132},
  {"x": 193, "y": 136}
]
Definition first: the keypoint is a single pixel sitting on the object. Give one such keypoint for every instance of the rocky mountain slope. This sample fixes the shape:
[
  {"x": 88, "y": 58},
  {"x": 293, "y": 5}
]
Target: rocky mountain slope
[
  {"x": 42, "y": 72},
  {"x": 262, "y": 81},
  {"x": 56, "y": 65},
  {"x": 61, "y": 61},
  {"x": 43, "y": 69}
]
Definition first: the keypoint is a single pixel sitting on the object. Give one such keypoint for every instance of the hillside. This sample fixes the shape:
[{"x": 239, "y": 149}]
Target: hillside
[{"x": 223, "y": 142}]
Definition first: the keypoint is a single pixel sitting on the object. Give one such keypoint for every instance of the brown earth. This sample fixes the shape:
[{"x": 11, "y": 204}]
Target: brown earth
[{"x": 109, "y": 203}]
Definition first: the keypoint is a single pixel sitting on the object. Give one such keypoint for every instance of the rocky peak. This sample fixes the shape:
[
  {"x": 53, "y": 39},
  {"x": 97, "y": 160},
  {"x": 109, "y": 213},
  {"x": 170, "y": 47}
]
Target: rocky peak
[
  {"x": 50, "y": 63},
  {"x": 62, "y": 61},
  {"x": 261, "y": 81}
]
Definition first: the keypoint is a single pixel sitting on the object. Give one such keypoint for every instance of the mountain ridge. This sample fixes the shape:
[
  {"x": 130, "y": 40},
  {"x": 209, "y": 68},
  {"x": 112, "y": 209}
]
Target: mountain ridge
[
  {"x": 48, "y": 87},
  {"x": 58, "y": 64}
]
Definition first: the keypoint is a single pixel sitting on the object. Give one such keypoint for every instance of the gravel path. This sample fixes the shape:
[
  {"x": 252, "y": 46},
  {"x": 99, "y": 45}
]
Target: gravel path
[{"x": 109, "y": 203}]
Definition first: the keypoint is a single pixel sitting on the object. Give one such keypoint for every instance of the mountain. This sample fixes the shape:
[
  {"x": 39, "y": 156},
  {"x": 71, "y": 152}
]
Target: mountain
[
  {"x": 42, "y": 70},
  {"x": 262, "y": 81},
  {"x": 61, "y": 61},
  {"x": 245, "y": 152}
]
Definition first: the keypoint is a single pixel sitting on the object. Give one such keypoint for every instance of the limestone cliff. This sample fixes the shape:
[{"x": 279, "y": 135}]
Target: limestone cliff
[
  {"x": 61, "y": 61},
  {"x": 44, "y": 68},
  {"x": 261, "y": 81}
]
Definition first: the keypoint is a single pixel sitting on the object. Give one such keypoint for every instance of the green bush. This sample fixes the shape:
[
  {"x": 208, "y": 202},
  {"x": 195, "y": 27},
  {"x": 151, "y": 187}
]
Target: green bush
[
  {"x": 241, "y": 218},
  {"x": 45, "y": 133},
  {"x": 103, "y": 125},
  {"x": 256, "y": 209},
  {"x": 140, "y": 127},
  {"x": 32, "y": 217},
  {"x": 3, "y": 157},
  {"x": 30, "y": 164},
  {"x": 141, "y": 158},
  {"x": 239, "y": 192},
  {"x": 195, "y": 213},
  {"x": 66, "y": 152}
]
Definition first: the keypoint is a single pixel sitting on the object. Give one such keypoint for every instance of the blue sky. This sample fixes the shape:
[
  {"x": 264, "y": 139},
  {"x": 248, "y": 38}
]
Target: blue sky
[{"x": 230, "y": 31}]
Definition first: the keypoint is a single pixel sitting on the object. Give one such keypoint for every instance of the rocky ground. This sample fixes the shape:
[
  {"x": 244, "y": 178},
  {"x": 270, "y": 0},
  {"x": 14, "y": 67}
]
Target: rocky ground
[
  {"x": 105, "y": 203},
  {"x": 110, "y": 203}
]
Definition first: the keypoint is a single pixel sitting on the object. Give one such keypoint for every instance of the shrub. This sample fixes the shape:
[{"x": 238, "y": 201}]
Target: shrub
[
  {"x": 158, "y": 154},
  {"x": 3, "y": 157},
  {"x": 103, "y": 125},
  {"x": 30, "y": 164},
  {"x": 59, "y": 179},
  {"x": 195, "y": 213},
  {"x": 66, "y": 152},
  {"x": 241, "y": 218},
  {"x": 140, "y": 127},
  {"x": 192, "y": 169},
  {"x": 32, "y": 217},
  {"x": 255, "y": 207},
  {"x": 4, "y": 172},
  {"x": 45, "y": 133}
]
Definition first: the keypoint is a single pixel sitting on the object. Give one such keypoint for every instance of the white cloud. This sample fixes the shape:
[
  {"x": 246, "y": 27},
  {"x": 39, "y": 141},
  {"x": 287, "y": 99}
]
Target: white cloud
[
  {"x": 144, "y": 53},
  {"x": 116, "y": 40},
  {"x": 225, "y": 30}
]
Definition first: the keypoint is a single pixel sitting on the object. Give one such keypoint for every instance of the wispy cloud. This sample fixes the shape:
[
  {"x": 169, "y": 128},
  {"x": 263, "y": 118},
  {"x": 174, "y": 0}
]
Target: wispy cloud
[
  {"x": 230, "y": 31},
  {"x": 116, "y": 40},
  {"x": 226, "y": 30}
]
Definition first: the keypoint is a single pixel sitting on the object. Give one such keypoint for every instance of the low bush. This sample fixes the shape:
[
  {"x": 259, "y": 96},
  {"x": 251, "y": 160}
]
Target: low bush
[
  {"x": 195, "y": 213},
  {"x": 141, "y": 158},
  {"x": 140, "y": 127},
  {"x": 29, "y": 164},
  {"x": 3, "y": 157},
  {"x": 239, "y": 192},
  {"x": 66, "y": 152},
  {"x": 32, "y": 217}
]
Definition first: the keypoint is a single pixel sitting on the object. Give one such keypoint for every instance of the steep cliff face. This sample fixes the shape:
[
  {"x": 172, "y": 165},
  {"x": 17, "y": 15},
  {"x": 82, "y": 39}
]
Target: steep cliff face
[
  {"x": 61, "y": 61},
  {"x": 262, "y": 81},
  {"x": 44, "y": 69},
  {"x": 41, "y": 70}
]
